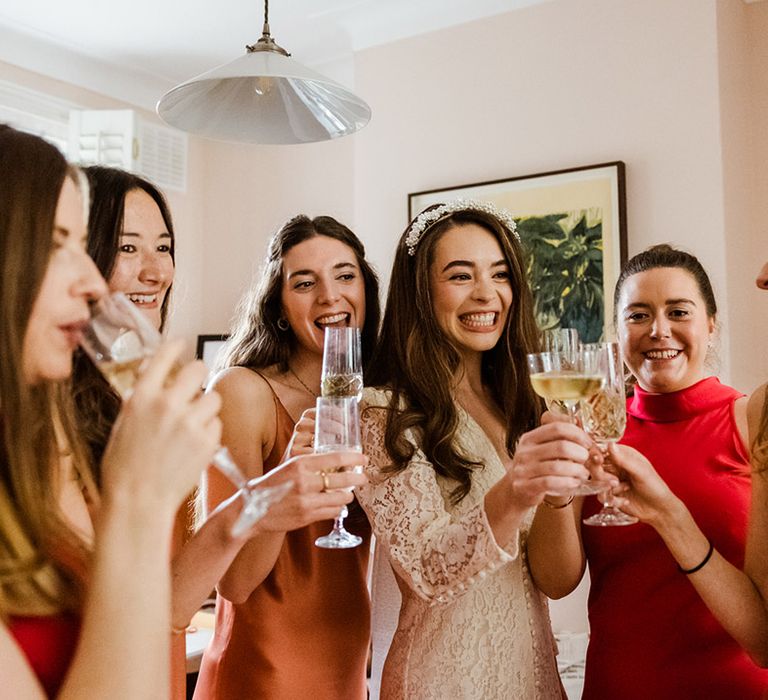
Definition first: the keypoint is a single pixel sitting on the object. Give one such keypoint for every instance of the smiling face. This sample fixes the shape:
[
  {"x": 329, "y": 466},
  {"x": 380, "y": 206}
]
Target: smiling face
[
  {"x": 143, "y": 268},
  {"x": 664, "y": 329},
  {"x": 322, "y": 286},
  {"x": 61, "y": 307},
  {"x": 470, "y": 288}
]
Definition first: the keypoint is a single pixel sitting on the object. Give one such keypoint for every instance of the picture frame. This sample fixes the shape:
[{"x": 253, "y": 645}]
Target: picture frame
[
  {"x": 573, "y": 227},
  {"x": 208, "y": 347}
]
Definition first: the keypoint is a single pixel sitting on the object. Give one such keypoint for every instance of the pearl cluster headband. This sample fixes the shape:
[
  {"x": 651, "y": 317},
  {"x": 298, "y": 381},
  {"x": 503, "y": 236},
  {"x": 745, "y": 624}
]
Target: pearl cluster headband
[{"x": 427, "y": 218}]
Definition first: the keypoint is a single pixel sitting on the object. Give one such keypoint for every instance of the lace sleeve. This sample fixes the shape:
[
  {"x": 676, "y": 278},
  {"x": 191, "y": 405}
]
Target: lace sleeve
[{"x": 436, "y": 553}]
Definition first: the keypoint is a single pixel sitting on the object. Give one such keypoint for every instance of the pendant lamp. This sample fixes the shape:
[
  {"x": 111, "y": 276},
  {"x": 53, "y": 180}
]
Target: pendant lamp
[{"x": 264, "y": 97}]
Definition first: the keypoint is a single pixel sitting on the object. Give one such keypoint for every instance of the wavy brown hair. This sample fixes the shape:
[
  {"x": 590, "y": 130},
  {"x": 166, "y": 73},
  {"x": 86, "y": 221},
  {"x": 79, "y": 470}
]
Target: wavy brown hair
[
  {"x": 96, "y": 401},
  {"x": 418, "y": 362},
  {"x": 41, "y": 560},
  {"x": 257, "y": 341},
  {"x": 760, "y": 443}
]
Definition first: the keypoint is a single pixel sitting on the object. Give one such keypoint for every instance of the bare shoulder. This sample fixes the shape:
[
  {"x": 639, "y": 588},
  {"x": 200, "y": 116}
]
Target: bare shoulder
[
  {"x": 240, "y": 384},
  {"x": 247, "y": 413}
]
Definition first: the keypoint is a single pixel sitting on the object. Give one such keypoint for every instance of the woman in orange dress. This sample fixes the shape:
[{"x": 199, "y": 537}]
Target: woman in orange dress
[
  {"x": 131, "y": 239},
  {"x": 292, "y": 620}
]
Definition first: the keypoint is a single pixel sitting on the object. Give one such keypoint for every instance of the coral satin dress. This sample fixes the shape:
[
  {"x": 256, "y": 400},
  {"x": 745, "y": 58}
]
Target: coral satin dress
[{"x": 304, "y": 632}]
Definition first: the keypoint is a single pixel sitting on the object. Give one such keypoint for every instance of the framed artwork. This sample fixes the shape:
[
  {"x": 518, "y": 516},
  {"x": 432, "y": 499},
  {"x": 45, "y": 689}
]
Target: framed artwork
[
  {"x": 208, "y": 347},
  {"x": 573, "y": 227}
]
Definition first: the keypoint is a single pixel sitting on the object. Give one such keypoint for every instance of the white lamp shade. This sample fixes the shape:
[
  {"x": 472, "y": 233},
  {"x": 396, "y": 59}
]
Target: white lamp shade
[{"x": 264, "y": 97}]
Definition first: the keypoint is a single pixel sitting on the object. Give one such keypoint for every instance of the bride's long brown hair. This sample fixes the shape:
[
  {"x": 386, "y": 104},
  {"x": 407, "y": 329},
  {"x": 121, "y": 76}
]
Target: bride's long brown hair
[
  {"x": 418, "y": 362},
  {"x": 41, "y": 560}
]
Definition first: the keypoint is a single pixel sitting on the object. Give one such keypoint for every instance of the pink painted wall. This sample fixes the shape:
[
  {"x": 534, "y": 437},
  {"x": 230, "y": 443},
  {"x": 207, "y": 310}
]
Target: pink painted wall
[
  {"x": 249, "y": 192},
  {"x": 552, "y": 86}
]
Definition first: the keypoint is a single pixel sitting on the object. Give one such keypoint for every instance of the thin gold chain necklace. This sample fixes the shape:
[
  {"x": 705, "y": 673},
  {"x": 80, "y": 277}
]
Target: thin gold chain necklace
[{"x": 298, "y": 379}]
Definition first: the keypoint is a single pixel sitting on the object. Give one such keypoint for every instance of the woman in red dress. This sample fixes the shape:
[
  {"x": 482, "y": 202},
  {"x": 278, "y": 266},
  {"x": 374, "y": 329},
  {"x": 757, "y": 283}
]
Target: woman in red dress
[{"x": 671, "y": 613}]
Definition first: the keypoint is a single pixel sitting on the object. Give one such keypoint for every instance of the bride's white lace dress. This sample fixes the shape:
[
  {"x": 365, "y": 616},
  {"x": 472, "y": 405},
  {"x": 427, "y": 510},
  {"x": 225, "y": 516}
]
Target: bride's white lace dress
[{"x": 472, "y": 623}]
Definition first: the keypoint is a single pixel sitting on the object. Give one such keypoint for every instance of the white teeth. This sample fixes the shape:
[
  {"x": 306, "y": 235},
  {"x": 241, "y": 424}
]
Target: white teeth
[
  {"x": 661, "y": 354},
  {"x": 142, "y": 298},
  {"x": 479, "y": 320},
  {"x": 328, "y": 320}
]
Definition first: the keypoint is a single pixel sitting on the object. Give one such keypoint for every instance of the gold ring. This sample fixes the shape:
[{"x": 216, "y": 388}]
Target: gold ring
[{"x": 326, "y": 485}]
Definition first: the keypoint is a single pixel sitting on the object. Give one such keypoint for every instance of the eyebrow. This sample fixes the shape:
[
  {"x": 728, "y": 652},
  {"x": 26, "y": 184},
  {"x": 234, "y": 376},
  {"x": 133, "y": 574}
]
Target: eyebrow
[
  {"x": 337, "y": 266},
  {"x": 469, "y": 263},
  {"x": 668, "y": 302},
  {"x": 136, "y": 235}
]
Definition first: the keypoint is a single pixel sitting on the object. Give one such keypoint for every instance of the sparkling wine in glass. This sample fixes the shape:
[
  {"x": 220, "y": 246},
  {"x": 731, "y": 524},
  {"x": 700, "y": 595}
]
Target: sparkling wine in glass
[
  {"x": 342, "y": 373},
  {"x": 604, "y": 416},
  {"x": 119, "y": 339},
  {"x": 567, "y": 381},
  {"x": 565, "y": 342},
  {"x": 337, "y": 429}
]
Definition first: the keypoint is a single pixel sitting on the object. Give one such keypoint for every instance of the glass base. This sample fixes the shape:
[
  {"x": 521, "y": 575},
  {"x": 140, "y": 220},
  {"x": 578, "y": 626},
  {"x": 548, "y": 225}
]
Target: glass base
[
  {"x": 338, "y": 539},
  {"x": 610, "y": 517}
]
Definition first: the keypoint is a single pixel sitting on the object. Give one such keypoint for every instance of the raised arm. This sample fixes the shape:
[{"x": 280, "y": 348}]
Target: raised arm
[
  {"x": 435, "y": 552},
  {"x": 162, "y": 440},
  {"x": 729, "y": 593},
  {"x": 756, "y": 558},
  {"x": 248, "y": 417}
]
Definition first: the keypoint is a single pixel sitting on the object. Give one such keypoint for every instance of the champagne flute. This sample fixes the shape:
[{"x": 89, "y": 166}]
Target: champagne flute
[
  {"x": 565, "y": 380},
  {"x": 337, "y": 429},
  {"x": 342, "y": 373},
  {"x": 604, "y": 416},
  {"x": 119, "y": 339}
]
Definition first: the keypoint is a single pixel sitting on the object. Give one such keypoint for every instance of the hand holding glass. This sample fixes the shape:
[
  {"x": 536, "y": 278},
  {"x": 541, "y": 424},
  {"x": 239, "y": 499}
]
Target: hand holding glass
[
  {"x": 337, "y": 429},
  {"x": 119, "y": 339},
  {"x": 566, "y": 381}
]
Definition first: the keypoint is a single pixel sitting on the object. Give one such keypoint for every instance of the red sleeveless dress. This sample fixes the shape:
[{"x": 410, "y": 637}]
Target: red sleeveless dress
[
  {"x": 49, "y": 644},
  {"x": 304, "y": 632},
  {"x": 651, "y": 636}
]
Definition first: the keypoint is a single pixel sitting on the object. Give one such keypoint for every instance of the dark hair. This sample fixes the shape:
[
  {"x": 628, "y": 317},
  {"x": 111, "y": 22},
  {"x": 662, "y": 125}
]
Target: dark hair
[
  {"x": 39, "y": 554},
  {"x": 663, "y": 256},
  {"x": 97, "y": 404},
  {"x": 109, "y": 188},
  {"x": 417, "y": 361},
  {"x": 257, "y": 341}
]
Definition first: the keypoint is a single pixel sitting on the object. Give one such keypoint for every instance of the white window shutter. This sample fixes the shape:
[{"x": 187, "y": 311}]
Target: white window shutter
[{"x": 122, "y": 139}]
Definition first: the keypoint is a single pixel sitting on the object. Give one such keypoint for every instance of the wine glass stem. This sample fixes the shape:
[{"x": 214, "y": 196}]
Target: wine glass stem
[
  {"x": 338, "y": 523},
  {"x": 226, "y": 465}
]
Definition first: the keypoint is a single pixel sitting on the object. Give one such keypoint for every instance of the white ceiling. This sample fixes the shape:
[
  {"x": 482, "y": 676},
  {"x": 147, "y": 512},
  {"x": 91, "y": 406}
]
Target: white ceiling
[{"x": 137, "y": 50}]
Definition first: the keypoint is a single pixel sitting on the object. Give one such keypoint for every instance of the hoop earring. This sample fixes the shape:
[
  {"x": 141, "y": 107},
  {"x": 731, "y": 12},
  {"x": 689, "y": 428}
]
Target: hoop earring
[{"x": 282, "y": 324}]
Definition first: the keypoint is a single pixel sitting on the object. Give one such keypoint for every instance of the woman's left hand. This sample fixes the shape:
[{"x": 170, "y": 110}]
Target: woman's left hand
[{"x": 642, "y": 492}]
